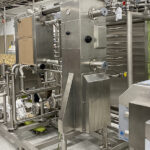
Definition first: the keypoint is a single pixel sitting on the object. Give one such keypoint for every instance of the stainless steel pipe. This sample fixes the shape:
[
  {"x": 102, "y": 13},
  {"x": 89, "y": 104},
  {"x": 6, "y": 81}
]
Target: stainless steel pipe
[
  {"x": 51, "y": 10},
  {"x": 22, "y": 76},
  {"x": 3, "y": 95},
  {"x": 129, "y": 48},
  {"x": 37, "y": 117}
]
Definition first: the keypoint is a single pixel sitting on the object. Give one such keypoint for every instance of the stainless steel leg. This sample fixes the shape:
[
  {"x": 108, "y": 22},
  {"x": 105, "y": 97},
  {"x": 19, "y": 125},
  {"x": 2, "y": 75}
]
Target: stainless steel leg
[
  {"x": 105, "y": 138},
  {"x": 64, "y": 143}
]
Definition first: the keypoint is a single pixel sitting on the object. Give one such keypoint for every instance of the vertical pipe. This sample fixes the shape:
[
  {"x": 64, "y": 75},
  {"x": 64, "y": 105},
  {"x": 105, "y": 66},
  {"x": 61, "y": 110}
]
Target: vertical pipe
[
  {"x": 3, "y": 69},
  {"x": 60, "y": 43},
  {"x": 32, "y": 98},
  {"x": 5, "y": 36},
  {"x": 147, "y": 49},
  {"x": 22, "y": 84},
  {"x": 42, "y": 107},
  {"x": 129, "y": 48},
  {"x": 4, "y": 107},
  {"x": 46, "y": 76},
  {"x": 11, "y": 127},
  {"x": 33, "y": 3},
  {"x": 14, "y": 97},
  {"x": 105, "y": 138}
]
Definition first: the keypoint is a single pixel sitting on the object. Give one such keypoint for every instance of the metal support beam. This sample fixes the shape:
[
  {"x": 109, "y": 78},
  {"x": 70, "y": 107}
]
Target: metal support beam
[
  {"x": 66, "y": 96},
  {"x": 56, "y": 139},
  {"x": 63, "y": 111}
]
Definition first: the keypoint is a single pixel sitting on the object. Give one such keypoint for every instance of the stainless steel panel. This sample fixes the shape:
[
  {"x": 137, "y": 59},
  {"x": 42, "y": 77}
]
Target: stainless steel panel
[
  {"x": 43, "y": 41},
  {"x": 136, "y": 90},
  {"x": 76, "y": 25},
  {"x": 69, "y": 10},
  {"x": 117, "y": 56},
  {"x": 87, "y": 29},
  {"x": 147, "y": 131},
  {"x": 66, "y": 115},
  {"x": 100, "y": 42},
  {"x": 71, "y": 64},
  {"x": 69, "y": 41},
  {"x": 96, "y": 101},
  {"x": 139, "y": 113}
]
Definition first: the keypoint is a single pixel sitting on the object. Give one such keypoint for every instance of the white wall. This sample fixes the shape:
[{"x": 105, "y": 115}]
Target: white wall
[{"x": 9, "y": 28}]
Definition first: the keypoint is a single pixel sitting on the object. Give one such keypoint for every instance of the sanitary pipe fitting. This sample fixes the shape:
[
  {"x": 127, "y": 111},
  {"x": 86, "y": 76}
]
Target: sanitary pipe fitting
[
  {"x": 93, "y": 13},
  {"x": 99, "y": 64},
  {"x": 94, "y": 64}
]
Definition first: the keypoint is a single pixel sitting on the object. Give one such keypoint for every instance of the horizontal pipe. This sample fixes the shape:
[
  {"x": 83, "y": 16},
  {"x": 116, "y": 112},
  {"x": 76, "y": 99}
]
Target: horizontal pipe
[
  {"x": 37, "y": 117},
  {"x": 52, "y": 22},
  {"x": 51, "y": 10},
  {"x": 38, "y": 90}
]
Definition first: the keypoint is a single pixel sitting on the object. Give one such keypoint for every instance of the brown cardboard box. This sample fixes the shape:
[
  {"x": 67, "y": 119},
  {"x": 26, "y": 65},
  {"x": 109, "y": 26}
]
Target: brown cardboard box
[
  {"x": 25, "y": 27},
  {"x": 26, "y": 51}
]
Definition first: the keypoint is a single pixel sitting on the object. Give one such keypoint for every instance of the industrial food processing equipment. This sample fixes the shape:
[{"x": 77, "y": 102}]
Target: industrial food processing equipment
[
  {"x": 65, "y": 70},
  {"x": 51, "y": 52}
]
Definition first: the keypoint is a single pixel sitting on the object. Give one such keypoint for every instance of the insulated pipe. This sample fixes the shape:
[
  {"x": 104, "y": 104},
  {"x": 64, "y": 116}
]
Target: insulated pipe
[{"x": 130, "y": 48}]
